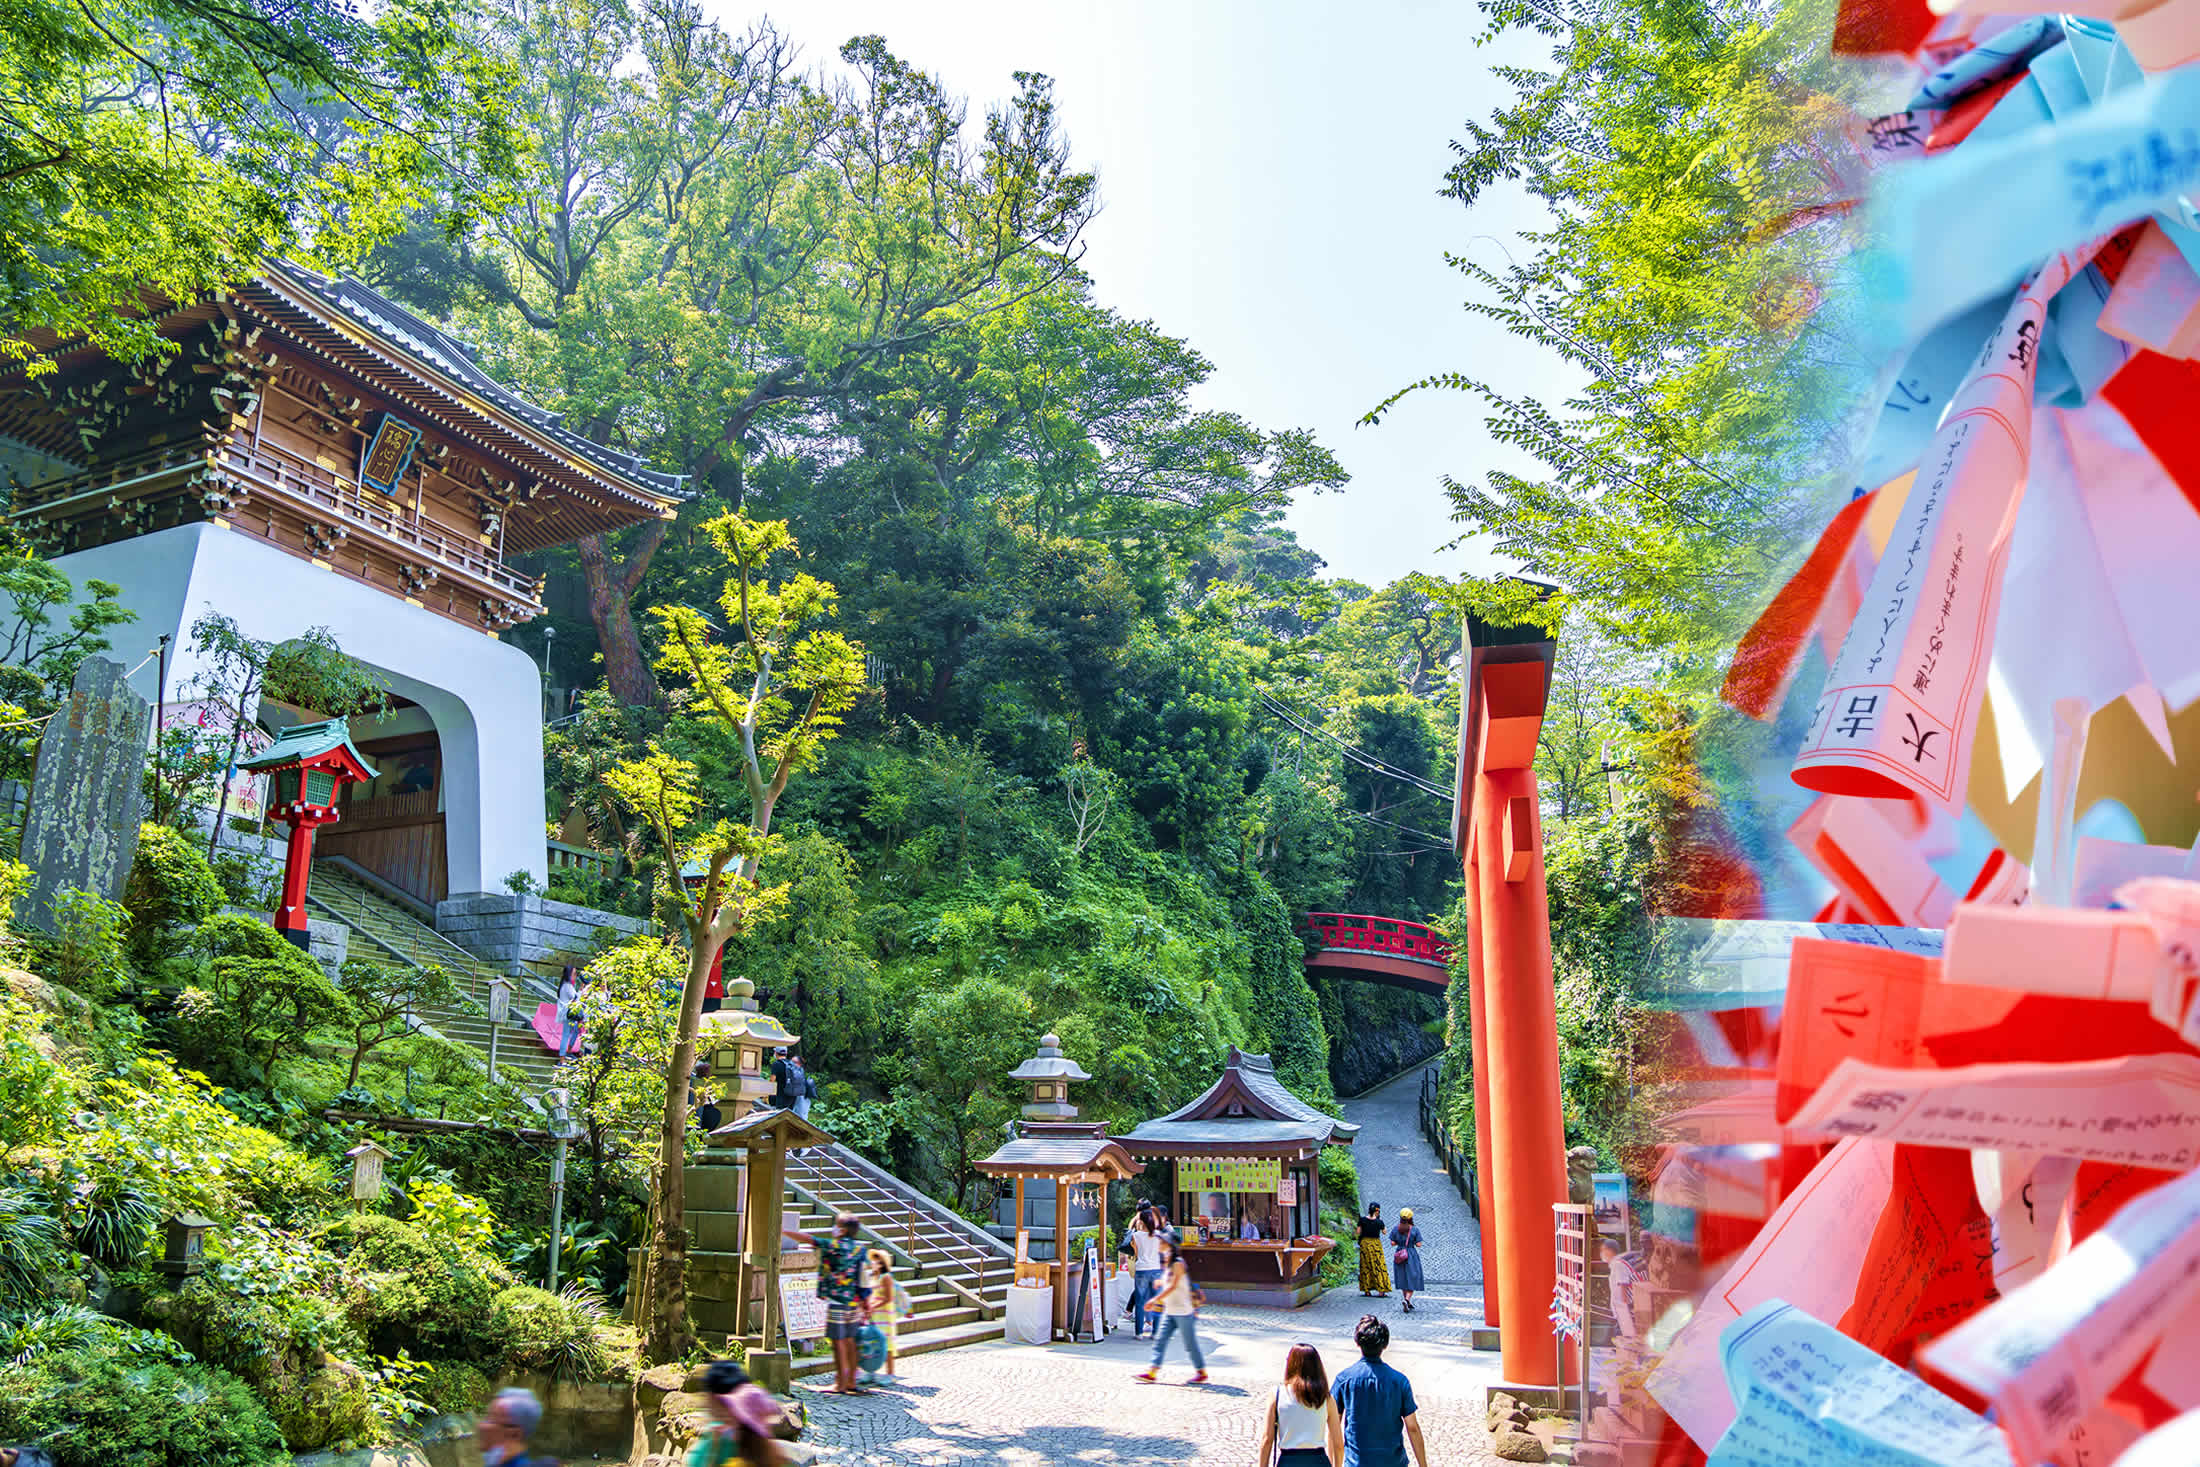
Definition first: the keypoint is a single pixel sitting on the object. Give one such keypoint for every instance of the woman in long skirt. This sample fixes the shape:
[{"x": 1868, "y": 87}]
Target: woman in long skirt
[
  {"x": 1406, "y": 1238},
  {"x": 1374, "y": 1272}
]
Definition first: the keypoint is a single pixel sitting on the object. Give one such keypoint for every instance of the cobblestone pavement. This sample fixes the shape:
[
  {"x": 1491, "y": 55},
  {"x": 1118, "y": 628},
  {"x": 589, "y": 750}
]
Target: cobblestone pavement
[
  {"x": 1028, "y": 1405},
  {"x": 1398, "y": 1168}
]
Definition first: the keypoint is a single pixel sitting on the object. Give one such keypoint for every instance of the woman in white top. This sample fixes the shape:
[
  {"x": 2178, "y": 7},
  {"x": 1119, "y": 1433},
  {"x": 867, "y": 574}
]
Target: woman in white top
[
  {"x": 1303, "y": 1428},
  {"x": 1145, "y": 1241},
  {"x": 1178, "y": 1306}
]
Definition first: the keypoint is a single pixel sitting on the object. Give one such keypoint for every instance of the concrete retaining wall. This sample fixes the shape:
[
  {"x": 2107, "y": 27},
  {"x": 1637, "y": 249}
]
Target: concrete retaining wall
[{"x": 516, "y": 930}]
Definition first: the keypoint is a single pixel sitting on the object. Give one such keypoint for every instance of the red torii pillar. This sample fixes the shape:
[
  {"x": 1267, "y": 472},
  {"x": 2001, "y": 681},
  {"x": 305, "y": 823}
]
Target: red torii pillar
[{"x": 1522, "y": 1142}]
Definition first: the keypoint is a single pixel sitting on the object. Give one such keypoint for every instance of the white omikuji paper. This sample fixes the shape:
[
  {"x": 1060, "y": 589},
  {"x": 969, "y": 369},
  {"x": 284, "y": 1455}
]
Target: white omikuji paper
[
  {"x": 2022, "y": 1194},
  {"x": 2049, "y": 1353},
  {"x": 2176, "y": 1444},
  {"x": 1810, "y": 1395},
  {"x": 1811, "y": 1253},
  {"x": 2136, "y": 1110},
  {"x": 2148, "y": 540},
  {"x": 1900, "y": 707}
]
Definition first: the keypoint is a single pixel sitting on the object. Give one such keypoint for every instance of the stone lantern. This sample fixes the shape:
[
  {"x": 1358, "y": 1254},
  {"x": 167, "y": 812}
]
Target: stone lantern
[
  {"x": 185, "y": 1253},
  {"x": 1049, "y": 1075},
  {"x": 366, "y": 1171},
  {"x": 739, "y": 1039},
  {"x": 308, "y": 764}
]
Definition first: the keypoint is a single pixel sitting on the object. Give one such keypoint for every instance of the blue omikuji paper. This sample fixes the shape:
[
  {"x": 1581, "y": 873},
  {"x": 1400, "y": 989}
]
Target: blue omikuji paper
[
  {"x": 1961, "y": 228},
  {"x": 2062, "y": 86},
  {"x": 2022, "y": 109},
  {"x": 1805, "y": 1394},
  {"x": 2077, "y": 357},
  {"x": 1920, "y": 393},
  {"x": 1990, "y": 62}
]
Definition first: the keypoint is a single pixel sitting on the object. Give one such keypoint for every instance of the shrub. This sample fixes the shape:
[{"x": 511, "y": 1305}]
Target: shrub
[
  {"x": 286, "y": 1344},
  {"x": 111, "y": 1220},
  {"x": 249, "y": 880},
  {"x": 419, "y": 1291},
  {"x": 33, "y": 1246},
  {"x": 88, "y": 949},
  {"x": 263, "y": 996},
  {"x": 555, "y": 1333},
  {"x": 171, "y": 887},
  {"x": 1340, "y": 1179},
  {"x": 112, "y": 1402},
  {"x": 455, "y": 1387}
]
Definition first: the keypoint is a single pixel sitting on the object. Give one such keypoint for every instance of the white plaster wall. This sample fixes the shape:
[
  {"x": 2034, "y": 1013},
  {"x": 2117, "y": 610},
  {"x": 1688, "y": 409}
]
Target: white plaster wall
[{"x": 485, "y": 696}]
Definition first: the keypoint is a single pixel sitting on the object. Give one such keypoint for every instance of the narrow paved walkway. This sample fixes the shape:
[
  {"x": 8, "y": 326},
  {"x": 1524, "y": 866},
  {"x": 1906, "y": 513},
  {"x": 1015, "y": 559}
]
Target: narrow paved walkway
[
  {"x": 1398, "y": 1168},
  {"x": 1039, "y": 1405}
]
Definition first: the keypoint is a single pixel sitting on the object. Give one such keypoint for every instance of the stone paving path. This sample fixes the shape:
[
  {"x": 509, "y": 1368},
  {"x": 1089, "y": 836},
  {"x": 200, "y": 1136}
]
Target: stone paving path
[
  {"x": 1038, "y": 1405},
  {"x": 1398, "y": 1168}
]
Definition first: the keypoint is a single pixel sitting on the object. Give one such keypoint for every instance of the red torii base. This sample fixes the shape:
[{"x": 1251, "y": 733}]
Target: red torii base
[{"x": 1520, "y": 1133}]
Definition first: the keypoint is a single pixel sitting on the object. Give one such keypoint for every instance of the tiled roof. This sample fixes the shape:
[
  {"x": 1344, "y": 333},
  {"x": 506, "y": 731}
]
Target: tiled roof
[
  {"x": 407, "y": 333},
  {"x": 1224, "y": 1133},
  {"x": 1054, "y": 1154}
]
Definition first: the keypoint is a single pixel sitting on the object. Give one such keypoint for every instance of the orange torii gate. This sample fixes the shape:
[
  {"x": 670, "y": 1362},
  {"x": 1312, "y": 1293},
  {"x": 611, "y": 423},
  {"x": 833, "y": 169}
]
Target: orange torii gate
[{"x": 1520, "y": 1136}]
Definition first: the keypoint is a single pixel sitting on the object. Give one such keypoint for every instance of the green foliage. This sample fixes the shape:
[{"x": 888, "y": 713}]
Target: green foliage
[
  {"x": 36, "y": 1093},
  {"x": 39, "y": 658},
  {"x": 1340, "y": 1180},
  {"x": 262, "y": 996},
  {"x": 421, "y": 1290},
  {"x": 1683, "y": 151},
  {"x": 111, "y": 1220},
  {"x": 962, "y": 1042},
  {"x": 378, "y": 997},
  {"x": 559, "y": 1334},
  {"x": 171, "y": 145},
  {"x": 33, "y": 1246},
  {"x": 287, "y": 1341},
  {"x": 119, "y": 1400},
  {"x": 171, "y": 887},
  {"x": 89, "y": 949}
]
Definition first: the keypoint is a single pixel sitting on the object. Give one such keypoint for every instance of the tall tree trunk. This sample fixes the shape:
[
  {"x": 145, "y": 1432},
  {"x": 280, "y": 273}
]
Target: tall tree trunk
[
  {"x": 611, "y": 585},
  {"x": 667, "y": 1336}
]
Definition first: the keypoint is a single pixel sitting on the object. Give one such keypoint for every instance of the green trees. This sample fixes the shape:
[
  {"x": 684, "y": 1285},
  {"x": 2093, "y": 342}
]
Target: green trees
[
  {"x": 771, "y": 702},
  {"x": 1689, "y": 156},
  {"x": 170, "y": 145}
]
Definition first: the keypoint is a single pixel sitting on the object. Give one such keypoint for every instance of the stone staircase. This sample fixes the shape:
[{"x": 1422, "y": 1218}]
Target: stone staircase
[
  {"x": 954, "y": 1276},
  {"x": 384, "y": 930}
]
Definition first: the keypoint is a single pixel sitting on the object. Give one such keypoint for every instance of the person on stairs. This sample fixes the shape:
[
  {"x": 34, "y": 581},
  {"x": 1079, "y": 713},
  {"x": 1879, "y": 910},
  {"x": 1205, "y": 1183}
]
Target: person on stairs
[{"x": 569, "y": 1022}]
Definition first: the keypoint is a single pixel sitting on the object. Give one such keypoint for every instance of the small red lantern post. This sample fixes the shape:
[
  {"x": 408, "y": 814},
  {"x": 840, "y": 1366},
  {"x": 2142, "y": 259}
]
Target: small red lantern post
[{"x": 309, "y": 763}]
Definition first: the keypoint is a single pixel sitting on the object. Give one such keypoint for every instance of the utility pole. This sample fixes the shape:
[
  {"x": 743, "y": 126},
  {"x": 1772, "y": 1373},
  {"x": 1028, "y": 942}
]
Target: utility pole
[{"x": 562, "y": 1130}]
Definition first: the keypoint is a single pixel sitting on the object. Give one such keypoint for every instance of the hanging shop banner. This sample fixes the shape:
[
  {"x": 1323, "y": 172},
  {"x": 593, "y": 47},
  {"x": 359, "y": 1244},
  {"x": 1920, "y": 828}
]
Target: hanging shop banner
[
  {"x": 1262, "y": 1174},
  {"x": 1287, "y": 1192}
]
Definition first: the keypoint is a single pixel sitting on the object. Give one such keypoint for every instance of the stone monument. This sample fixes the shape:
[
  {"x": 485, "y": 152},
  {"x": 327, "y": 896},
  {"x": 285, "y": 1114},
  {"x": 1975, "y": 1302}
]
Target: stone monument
[{"x": 88, "y": 792}]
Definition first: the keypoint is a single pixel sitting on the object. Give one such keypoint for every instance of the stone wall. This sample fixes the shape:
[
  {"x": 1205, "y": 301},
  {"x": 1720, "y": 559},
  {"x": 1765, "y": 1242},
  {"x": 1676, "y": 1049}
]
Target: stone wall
[{"x": 516, "y": 931}]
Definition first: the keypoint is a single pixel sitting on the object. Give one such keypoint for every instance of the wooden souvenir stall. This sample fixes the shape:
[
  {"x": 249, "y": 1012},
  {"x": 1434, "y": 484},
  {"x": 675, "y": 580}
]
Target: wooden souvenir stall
[
  {"x": 1051, "y": 1144},
  {"x": 1247, "y": 1184}
]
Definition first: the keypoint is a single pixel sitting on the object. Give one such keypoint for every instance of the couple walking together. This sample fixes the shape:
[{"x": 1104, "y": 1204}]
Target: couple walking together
[
  {"x": 1162, "y": 1285},
  {"x": 1364, "y": 1419},
  {"x": 1405, "y": 1238}
]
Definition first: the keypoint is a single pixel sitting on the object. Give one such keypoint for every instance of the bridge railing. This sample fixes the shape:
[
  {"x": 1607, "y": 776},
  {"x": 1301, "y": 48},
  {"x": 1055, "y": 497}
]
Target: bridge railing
[{"x": 1354, "y": 932}]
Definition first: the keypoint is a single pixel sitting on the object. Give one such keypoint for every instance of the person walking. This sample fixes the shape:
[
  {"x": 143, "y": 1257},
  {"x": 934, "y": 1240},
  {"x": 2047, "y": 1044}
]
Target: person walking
[
  {"x": 840, "y": 1259},
  {"x": 805, "y": 1087},
  {"x": 569, "y": 1024},
  {"x": 1145, "y": 1242},
  {"x": 1178, "y": 1306},
  {"x": 1169, "y": 1234},
  {"x": 783, "y": 1070},
  {"x": 886, "y": 1309},
  {"x": 1374, "y": 1272},
  {"x": 1303, "y": 1427},
  {"x": 504, "y": 1429},
  {"x": 1406, "y": 1239},
  {"x": 745, "y": 1422},
  {"x": 1376, "y": 1402}
]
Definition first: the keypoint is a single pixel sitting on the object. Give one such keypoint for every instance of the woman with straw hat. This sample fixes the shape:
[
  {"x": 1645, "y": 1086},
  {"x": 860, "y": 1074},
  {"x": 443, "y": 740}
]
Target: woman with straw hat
[{"x": 1406, "y": 1261}]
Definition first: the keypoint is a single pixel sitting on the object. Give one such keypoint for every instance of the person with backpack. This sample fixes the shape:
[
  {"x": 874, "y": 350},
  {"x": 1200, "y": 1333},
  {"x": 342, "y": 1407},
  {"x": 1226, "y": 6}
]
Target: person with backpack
[
  {"x": 1178, "y": 1305},
  {"x": 804, "y": 1086},
  {"x": 747, "y": 1424},
  {"x": 784, "y": 1072}
]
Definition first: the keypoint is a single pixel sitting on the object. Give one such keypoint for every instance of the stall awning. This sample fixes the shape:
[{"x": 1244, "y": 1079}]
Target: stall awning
[
  {"x": 1059, "y": 1156},
  {"x": 1164, "y": 1139}
]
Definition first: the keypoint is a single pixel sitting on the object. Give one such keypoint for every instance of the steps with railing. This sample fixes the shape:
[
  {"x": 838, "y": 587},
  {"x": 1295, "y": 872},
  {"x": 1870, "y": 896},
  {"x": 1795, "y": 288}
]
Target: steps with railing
[{"x": 385, "y": 931}]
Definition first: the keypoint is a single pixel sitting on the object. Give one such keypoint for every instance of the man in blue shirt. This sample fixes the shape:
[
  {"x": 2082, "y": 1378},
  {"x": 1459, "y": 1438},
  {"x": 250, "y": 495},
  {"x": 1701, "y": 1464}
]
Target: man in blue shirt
[{"x": 1377, "y": 1403}]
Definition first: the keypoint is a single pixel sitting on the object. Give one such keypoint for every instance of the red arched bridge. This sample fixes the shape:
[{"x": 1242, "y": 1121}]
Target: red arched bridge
[{"x": 1376, "y": 950}]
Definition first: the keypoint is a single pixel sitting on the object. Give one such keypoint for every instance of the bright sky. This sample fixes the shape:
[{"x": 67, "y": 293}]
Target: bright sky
[{"x": 1268, "y": 175}]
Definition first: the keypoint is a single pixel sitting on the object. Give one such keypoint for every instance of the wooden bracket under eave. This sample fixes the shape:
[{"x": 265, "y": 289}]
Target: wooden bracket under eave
[{"x": 1519, "y": 849}]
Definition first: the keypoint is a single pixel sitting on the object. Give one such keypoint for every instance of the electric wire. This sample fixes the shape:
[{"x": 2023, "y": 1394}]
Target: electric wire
[{"x": 1352, "y": 752}]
